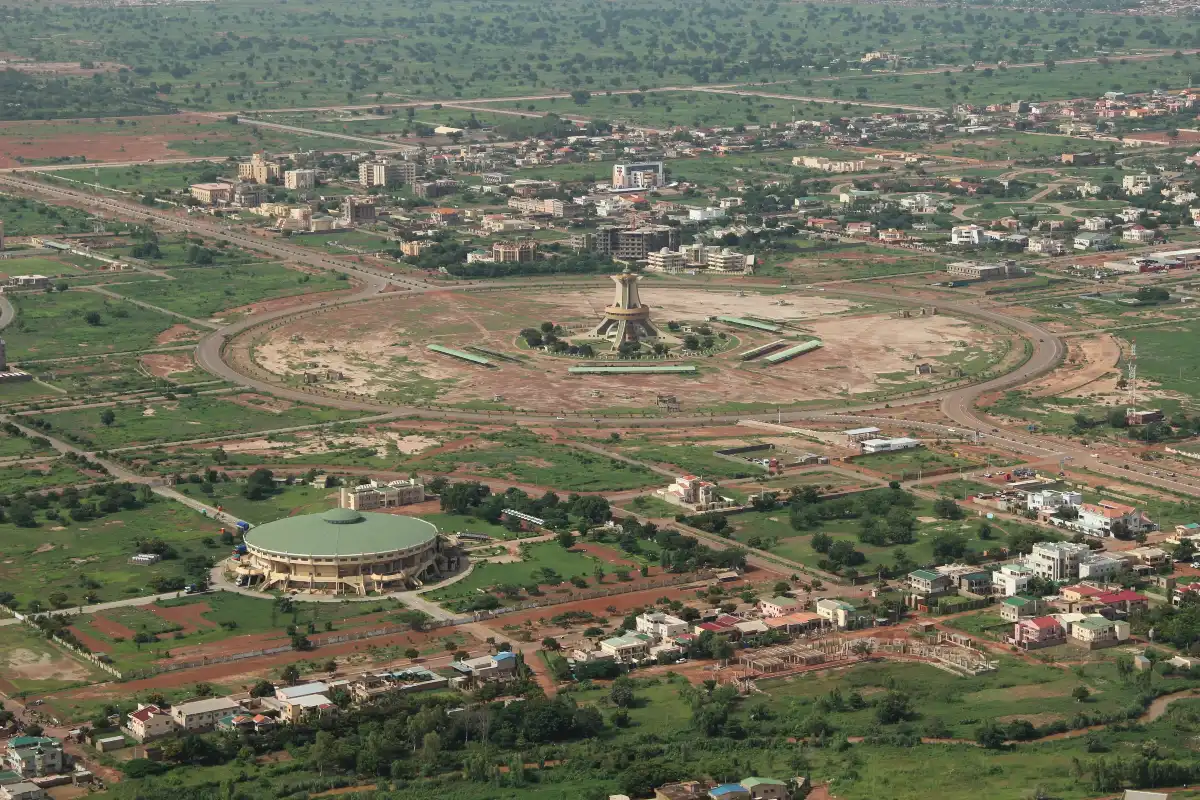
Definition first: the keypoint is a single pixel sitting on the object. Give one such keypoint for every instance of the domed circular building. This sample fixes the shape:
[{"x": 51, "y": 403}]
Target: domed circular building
[{"x": 342, "y": 551}]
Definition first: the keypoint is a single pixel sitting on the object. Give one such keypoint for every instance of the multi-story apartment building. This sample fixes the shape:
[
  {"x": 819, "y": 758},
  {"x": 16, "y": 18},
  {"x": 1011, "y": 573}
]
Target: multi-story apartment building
[
  {"x": 212, "y": 194},
  {"x": 300, "y": 180},
  {"x": 358, "y": 210},
  {"x": 645, "y": 175},
  {"x": 514, "y": 252},
  {"x": 386, "y": 173},
  {"x": 635, "y": 244},
  {"x": 438, "y": 188},
  {"x": 260, "y": 169}
]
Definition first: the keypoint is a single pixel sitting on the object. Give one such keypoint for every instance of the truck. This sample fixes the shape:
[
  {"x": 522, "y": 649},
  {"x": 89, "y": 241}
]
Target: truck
[
  {"x": 240, "y": 550},
  {"x": 243, "y": 527}
]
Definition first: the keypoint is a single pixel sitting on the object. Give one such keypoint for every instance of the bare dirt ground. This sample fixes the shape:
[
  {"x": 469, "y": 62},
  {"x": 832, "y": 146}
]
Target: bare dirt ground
[
  {"x": 161, "y": 365},
  {"x": 149, "y": 138},
  {"x": 279, "y": 303},
  {"x": 311, "y": 442},
  {"x": 28, "y": 665},
  {"x": 1088, "y": 360},
  {"x": 381, "y": 349},
  {"x": 175, "y": 333},
  {"x": 109, "y": 627},
  {"x": 190, "y": 617}
]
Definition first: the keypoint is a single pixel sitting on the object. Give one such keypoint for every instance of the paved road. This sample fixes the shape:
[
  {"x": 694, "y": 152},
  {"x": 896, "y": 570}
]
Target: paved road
[
  {"x": 957, "y": 404},
  {"x": 7, "y": 312},
  {"x": 377, "y": 144}
]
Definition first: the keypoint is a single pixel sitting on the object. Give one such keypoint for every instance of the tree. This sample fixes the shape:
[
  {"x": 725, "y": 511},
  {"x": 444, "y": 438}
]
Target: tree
[
  {"x": 621, "y": 693},
  {"x": 92, "y": 318},
  {"x": 946, "y": 508},
  {"x": 821, "y": 542},
  {"x": 290, "y": 674},
  {"x": 1080, "y": 693},
  {"x": 990, "y": 735},
  {"x": 566, "y": 539},
  {"x": 893, "y": 707},
  {"x": 107, "y": 417}
]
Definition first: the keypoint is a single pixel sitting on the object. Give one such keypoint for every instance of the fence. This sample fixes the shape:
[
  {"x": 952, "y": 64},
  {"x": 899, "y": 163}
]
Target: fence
[{"x": 92, "y": 658}]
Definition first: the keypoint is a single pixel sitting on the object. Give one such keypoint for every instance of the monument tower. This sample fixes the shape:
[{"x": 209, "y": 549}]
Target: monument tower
[{"x": 627, "y": 319}]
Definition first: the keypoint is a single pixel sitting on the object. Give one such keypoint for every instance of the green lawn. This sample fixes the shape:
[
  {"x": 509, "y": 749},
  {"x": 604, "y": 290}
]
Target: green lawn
[
  {"x": 528, "y": 571},
  {"x": 25, "y": 217},
  {"x": 206, "y": 291},
  {"x": 903, "y": 464},
  {"x": 15, "y": 479},
  {"x": 20, "y": 447},
  {"x": 35, "y": 265},
  {"x": 56, "y": 325},
  {"x": 189, "y": 417}
]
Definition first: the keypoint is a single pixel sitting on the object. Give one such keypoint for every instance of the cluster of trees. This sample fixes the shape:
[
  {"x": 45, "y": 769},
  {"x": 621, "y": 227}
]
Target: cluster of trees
[
  {"x": 38, "y": 97},
  {"x": 677, "y": 552},
  {"x": 476, "y": 499},
  {"x": 548, "y": 334},
  {"x": 559, "y": 264},
  {"x": 73, "y": 505}
]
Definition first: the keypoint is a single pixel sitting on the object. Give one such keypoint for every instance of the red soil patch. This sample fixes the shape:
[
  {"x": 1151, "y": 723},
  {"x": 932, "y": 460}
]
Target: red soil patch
[
  {"x": 93, "y": 644},
  {"x": 175, "y": 333},
  {"x": 109, "y": 627},
  {"x": 160, "y": 365},
  {"x": 610, "y": 555},
  {"x": 252, "y": 669},
  {"x": 149, "y": 138},
  {"x": 187, "y": 616}
]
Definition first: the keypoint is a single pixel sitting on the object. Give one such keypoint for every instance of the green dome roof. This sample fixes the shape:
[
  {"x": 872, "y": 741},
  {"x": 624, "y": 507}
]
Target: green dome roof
[
  {"x": 342, "y": 516},
  {"x": 341, "y": 532}
]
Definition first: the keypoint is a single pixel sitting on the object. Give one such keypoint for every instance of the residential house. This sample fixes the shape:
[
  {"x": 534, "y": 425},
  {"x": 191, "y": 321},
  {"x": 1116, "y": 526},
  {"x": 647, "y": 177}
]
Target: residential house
[
  {"x": 977, "y": 582},
  {"x": 1049, "y": 501},
  {"x": 659, "y": 625},
  {"x": 1109, "y": 518},
  {"x": 1095, "y": 224},
  {"x": 779, "y": 606},
  {"x": 840, "y": 613},
  {"x": 34, "y": 756},
  {"x": 1014, "y": 609},
  {"x": 628, "y": 647},
  {"x": 288, "y": 693},
  {"x": 201, "y": 715},
  {"x": 412, "y": 679},
  {"x": 1056, "y": 561},
  {"x": 925, "y": 585},
  {"x": 860, "y": 228},
  {"x": 729, "y": 791},
  {"x": 1094, "y": 632},
  {"x": 150, "y": 722},
  {"x": 1138, "y": 234},
  {"x": 766, "y": 788},
  {"x": 1150, "y": 556},
  {"x": 1034, "y": 633},
  {"x": 306, "y": 707},
  {"x": 1093, "y": 241},
  {"x": 22, "y": 790},
  {"x": 1011, "y": 579},
  {"x": 685, "y": 790},
  {"x": 1044, "y": 245},
  {"x": 1124, "y": 601},
  {"x": 970, "y": 235},
  {"x": 496, "y": 668}
]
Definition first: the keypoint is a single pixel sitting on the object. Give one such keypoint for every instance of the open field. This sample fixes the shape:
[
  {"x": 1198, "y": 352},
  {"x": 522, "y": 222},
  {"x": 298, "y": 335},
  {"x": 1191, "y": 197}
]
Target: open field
[
  {"x": 30, "y": 663},
  {"x": 41, "y": 475},
  {"x": 35, "y": 265},
  {"x": 380, "y": 349},
  {"x": 286, "y": 501},
  {"x": 25, "y": 217},
  {"x": 189, "y": 417},
  {"x": 60, "y": 324},
  {"x": 207, "y": 291},
  {"x": 151, "y": 137},
  {"x": 902, "y": 464},
  {"x": 92, "y": 557},
  {"x": 1065, "y": 81}
]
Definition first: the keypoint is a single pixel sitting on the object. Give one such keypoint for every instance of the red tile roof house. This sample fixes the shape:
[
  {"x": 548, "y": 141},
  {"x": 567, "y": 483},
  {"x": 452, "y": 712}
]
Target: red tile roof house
[
  {"x": 1038, "y": 632},
  {"x": 1124, "y": 600}
]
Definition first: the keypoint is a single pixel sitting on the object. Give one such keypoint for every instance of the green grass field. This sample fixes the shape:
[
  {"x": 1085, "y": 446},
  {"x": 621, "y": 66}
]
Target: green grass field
[
  {"x": 907, "y": 463},
  {"x": 66, "y": 556},
  {"x": 36, "y": 265},
  {"x": 528, "y": 571},
  {"x": 288, "y": 501},
  {"x": 25, "y": 217},
  {"x": 205, "y": 292},
  {"x": 55, "y": 325},
  {"x": 40, "y": 476},
  {"x": 692, "y": 458},
  {"x": 189, "y": 417},
  {"x": 528, "y": 459}
]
